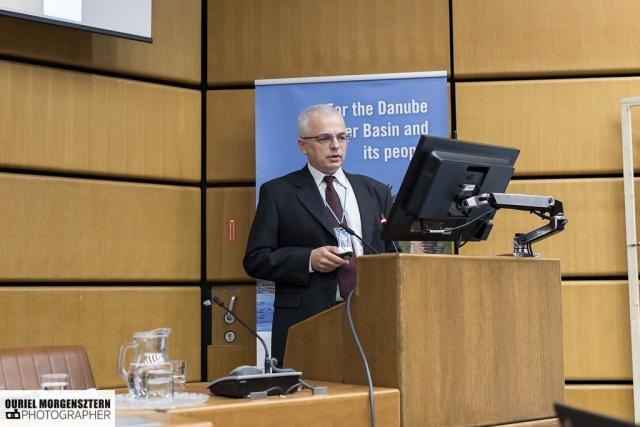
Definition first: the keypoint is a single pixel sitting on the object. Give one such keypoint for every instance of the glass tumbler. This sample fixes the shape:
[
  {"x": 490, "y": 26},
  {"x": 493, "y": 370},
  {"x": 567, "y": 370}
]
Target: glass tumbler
[
  {"x": 54, "y": 382},
  {"x": 179, "y": 374}
]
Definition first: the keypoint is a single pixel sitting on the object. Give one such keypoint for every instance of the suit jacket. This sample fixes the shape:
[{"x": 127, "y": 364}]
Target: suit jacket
[{"x": 290, "y": 222}]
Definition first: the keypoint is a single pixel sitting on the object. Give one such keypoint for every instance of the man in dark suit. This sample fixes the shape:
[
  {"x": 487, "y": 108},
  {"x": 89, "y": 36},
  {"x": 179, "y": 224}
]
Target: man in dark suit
[{"x": 293, "y": 237}]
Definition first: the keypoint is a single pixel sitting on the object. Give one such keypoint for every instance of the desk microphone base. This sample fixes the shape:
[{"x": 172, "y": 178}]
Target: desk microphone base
[{"x": 243, "y": 385}]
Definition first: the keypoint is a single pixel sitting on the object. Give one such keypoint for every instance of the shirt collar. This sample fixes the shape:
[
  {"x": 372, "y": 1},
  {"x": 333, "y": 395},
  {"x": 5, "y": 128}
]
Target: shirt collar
[{"x": 318, "y": 176}]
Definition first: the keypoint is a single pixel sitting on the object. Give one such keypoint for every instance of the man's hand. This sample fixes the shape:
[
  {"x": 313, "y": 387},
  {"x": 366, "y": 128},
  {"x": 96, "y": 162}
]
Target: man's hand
[{"x": 325, "y": 259}]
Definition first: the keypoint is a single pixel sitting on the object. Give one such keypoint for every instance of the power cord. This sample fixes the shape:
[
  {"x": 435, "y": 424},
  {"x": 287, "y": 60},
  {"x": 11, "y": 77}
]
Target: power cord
[
  {"x": 466, "y": 224},
  {"x": 364, "y": 359},
  {"x": 259, "y": 395},
  {"x": 314, "y": 389}
]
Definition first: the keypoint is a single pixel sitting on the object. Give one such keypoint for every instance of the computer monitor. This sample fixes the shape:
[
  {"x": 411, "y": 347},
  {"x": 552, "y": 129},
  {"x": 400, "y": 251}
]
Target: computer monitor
[
  {"x": 120, "y": 18},
  {"x": 575, "y": 417},
  {"x": 441, "y": 174}
]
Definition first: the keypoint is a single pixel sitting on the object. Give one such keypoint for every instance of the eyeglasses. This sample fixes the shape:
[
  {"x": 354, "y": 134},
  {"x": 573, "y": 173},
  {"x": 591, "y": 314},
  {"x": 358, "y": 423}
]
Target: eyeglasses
[{"x": 327, "y": 138}]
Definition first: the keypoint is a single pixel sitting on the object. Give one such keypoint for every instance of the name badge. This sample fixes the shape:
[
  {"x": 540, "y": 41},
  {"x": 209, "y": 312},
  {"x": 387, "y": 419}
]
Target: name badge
[{"x": 345, "y": 246}]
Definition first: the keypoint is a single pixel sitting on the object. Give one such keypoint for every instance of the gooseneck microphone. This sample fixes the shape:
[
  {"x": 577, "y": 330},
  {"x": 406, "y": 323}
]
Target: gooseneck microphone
[
  {"x": 249, "y": 381},
  {"x": 383, "y": 221},
  {"x": 267, "y": 359},
  {"x": 346, "y": 228}
]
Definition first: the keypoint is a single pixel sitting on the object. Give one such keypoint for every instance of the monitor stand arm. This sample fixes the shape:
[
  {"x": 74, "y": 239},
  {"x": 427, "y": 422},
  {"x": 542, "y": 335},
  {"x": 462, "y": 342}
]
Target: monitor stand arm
[{"x": 545, "y": 207}]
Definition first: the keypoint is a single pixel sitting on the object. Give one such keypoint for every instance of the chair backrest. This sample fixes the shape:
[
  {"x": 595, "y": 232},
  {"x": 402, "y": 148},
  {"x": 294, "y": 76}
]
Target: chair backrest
[{"x": 20, "y": 368}]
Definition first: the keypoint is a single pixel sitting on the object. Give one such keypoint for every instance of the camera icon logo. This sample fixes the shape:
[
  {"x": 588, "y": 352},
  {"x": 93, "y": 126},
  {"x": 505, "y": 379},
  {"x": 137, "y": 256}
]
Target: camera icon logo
[{"x": 15, "y": 415}]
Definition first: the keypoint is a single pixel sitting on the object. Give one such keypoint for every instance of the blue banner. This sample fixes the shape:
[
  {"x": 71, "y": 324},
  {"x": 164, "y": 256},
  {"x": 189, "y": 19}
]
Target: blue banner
[{"x": 385, "y": 115}]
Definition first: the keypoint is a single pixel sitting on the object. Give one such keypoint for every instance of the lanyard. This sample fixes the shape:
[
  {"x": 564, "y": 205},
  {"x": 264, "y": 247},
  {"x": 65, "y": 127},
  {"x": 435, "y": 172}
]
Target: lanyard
[{"x": 340, "y": 221}]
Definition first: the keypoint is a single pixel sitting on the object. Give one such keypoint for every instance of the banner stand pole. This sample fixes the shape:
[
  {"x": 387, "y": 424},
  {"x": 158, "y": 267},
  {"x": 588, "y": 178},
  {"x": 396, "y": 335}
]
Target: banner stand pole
[{"x": 632, "y": 246}]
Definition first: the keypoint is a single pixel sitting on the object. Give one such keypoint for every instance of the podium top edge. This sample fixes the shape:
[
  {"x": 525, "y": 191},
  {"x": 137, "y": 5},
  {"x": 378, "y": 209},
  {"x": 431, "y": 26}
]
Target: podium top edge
[
  {"x": 466, "y": 257},
  {"x": 407, "y": 254}
]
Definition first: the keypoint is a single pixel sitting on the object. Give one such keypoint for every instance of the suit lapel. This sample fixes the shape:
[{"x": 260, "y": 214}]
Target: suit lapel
[
  {"x": 310, "y": 198},
  {"x": 365, "y": 206}
]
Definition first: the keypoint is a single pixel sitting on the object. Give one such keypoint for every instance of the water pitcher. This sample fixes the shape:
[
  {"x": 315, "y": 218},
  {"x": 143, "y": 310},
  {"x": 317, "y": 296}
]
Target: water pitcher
[{"x": 149, "y": 350}]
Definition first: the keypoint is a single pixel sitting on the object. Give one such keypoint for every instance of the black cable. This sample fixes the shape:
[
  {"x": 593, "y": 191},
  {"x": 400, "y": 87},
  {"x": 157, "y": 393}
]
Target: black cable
[
  {"x": 295, "y": 386},
  {"x": 304, "y": 385},
  {"x": 363, "y": 357},
  {"x": 307, "y": 386},
  {"x": 346, "y": 228},
  {"x": 272, "y": 389},
  {"x": 542, "y": 215},
  {"x": 274, "y": 367},
  {"x": 449, "y": 230}
]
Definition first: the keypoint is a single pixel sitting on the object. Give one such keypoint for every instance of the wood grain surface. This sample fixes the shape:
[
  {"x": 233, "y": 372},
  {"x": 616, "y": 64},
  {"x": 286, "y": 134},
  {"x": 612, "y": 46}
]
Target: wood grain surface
[
  {"x": 251, "y": 40},
  {"x": 76, "y": 229},
  {"x": 545, "y": 37},
  {"x": 230, "y": 213},
  {"x": 562, "y": 127},
  {"x": 613, "y": 400},
  {"x": 67, "y": 121},
  {"x": 231, "y": 136},
  {"x": 101, "y": 319},
  {"x": 597, "y": 338}
]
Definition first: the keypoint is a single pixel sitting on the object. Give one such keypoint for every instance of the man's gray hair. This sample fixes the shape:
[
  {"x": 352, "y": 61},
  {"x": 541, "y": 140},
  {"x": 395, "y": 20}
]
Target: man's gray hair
[{"x": 303, "y": 118}]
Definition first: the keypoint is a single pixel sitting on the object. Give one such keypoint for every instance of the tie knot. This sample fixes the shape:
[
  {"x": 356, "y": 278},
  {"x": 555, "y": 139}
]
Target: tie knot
[{"x": 329, "y": 179}]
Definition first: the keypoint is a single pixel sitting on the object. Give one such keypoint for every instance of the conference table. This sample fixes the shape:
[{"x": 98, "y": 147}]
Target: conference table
[{"x": 344, "y": 404}]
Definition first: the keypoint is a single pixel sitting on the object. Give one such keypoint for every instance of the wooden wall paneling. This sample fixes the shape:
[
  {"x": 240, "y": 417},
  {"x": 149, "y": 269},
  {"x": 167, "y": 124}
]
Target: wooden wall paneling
[
  {"x": 230, "y": 213},
  {"x": 613, "y": 400},
  {"x": 231, "y": 136},
  {"x": 77, "y": 122},
  {"x": 222, "y": 359},
  {"x": 245, "y": 307},
  {"x": 561, "y": 126},
  {"x": 174, "y": 54},
  {"x": 545, "y": 37},
  {"x": 595, "y": 321},
  {"x": 593, "y": 243},
  {"x": 101, "y": 319},
  {"x": 251, "y": 40},
  {"x": 224, "y": 353},
  {"x": 74, "y": 229}
]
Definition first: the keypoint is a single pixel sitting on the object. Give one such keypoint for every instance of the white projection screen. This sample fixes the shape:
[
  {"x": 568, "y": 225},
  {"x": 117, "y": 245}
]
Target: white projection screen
[{"x": 121, "y": 18}]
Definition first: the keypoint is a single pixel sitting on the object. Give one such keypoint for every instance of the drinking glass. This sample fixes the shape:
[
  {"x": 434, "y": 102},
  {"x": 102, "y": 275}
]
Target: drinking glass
[
  {"x": 179, "y": 374},
  {"x": 159, "y": 381},
  {"x": 54, "y": 382}
]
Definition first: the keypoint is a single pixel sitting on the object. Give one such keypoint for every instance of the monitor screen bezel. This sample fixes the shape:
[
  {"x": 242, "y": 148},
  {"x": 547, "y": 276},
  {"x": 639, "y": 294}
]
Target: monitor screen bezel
[{"x": 68, "y": 24}]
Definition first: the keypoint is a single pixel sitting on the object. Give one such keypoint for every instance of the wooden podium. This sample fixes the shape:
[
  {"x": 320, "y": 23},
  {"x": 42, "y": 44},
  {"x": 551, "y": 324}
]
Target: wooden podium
[{"x": 467, "y": 340}]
